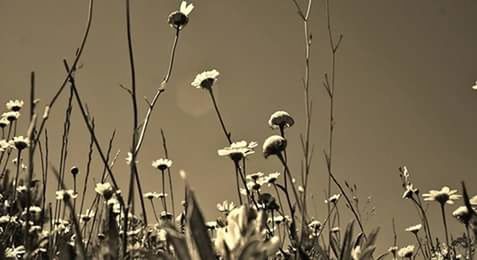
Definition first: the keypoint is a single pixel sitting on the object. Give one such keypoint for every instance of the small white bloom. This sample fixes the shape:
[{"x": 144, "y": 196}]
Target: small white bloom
[
  {"x": 205, "y": 79},
  {"x": 273, "y": 145},
  {"x": 474, "y": 87},
  {"x": 281, "y": 120},
  {"x": 4, "y": 122},
  {"x": 162, "y": 164},
  {"x": 65, "y": 194},
  {"x": 414, "y": 229},
  {"x": 406, "y": 251},
  {"x": 20, "y": 142},
  {"x": 11, "y": 115},
  {"x": 238, "y": 150},
  {"x": 104, "y": 189},
  {"x": 445, "y": 195},
  {"x": 15, "y": 105}
]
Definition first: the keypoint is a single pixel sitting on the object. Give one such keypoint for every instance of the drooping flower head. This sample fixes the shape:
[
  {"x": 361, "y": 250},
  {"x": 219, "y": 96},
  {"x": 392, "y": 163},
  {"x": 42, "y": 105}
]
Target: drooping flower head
[
  {"x": 15, "y": 105},
  {"x": 474, "y": 87},
  {"x": 162, "y": 164},
  {"x": 445, "y": 195},
  {"x": 238, "y": 150},
  {"x": 280, "y": 120},
  {"x": 274, "y": 145},
  {"x": 179, "y": 19},
  {"x": 206, "y": 79}
]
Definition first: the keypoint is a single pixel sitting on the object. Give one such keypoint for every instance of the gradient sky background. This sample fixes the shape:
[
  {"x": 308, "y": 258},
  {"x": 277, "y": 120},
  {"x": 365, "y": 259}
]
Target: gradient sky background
[{"x": 404, "y": 76}]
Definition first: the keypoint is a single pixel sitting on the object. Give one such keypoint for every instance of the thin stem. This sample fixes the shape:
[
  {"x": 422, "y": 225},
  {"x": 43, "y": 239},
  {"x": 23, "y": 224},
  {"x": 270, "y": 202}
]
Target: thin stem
[
  {"x": 163, "y": 182},
  {"x": 445, "y": 223},
  {"x": 238, "y": 185},
  {"x": 420, "y": 245},
  {"x": 16, "y": 175},
  {"x": 154, "y": 211},
  {"x": 171, "y": 188},
  {"x": 226, "y": 132}
]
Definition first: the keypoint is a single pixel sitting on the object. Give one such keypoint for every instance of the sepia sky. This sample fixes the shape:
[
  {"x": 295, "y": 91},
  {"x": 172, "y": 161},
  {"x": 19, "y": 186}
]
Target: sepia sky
[{"x": 403, "y": 91}]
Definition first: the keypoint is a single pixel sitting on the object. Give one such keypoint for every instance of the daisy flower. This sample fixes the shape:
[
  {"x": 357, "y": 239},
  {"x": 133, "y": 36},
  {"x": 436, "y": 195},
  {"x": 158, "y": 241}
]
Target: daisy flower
[
  {"x": 445, "y": 195},
  {"x": 162, "y": 164},
  {"x": 254, "y": 176},
  {"x": 15, "y": 105},
  {"x": 474, "y": 87},
  {"x": 179, "y": 19},
  {"x": 4, "y": 145},
  {"x": 151, "y": 195},
  {"x": 104, "y": 189},
  {"x": 87, "y": 216},
  {"x": 20, "y": 142},
  {"x": 205, "y": 79},
  {"x": 333, "y": 199},
  {"x": 65, "y": 194},
  {"x": 11, "y": 115},
  {"x": 238, "y": 150},
  {"x": 4, "y": 122},
  {"x": 280, "y": 120},
  {"x": 274, "y": 145},
  {"x": 272, "y": 177},
  {"x": 226, "y": 206},
  {"x": 406, "y": 251},
  {"x": 414, "y": 229},
  {"x": 462, "y": 214},
  {"x": 165, "y": 216}
]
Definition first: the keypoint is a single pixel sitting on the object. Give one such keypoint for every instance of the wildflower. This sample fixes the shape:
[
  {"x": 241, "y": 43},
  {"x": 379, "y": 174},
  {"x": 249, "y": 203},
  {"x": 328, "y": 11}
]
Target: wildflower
[
  {"x": 165, "y": 216},
  {"x": 272, "y": 177},
  {"x": 226, "y": 206},
  {"x": 445, "y": 195},
  {"x": 162, "y": 164},
  {"x": 20, "y": 142},
  {"x": 356, "y": 253},
  {"x": 238, "y": 150},
  {"x": 314, "y": 225},
  {"x": 151, "y": 195},
  {"x": 211, "y": 225},
  {"x": 409, "y": 192},
  {"x": 406, "y": 251},
  {"x": 333, "y": 199},
  {"x": 4, "y": 122},
  {"x": 179, "y": 19},
  {"x": 205, "y": 79},
  {"x": 414, "y": 229},
  {"x": 74, "y": 170},
  {"x": 65, "y": 194},
  {"x": 162, "y": 195},
  {"x": 462, "y": 214},
  {"x": 254, "y": 176},
  {"x": 335, "y": 230},
  {"x": 22, "y": 189},
  {"x": 473, "y": 201},
  {"x": 11, "y": 116},
  {"x": 280, "y": 120},
  {"x": 114, "y": 203},
  {"x": 474, "y": 87},
  {"x": 15, "y": 105},
  {"x": 15, "y": 252},
  {"x": 274, "y": 145},
  {"x": 104, "y": 189},
  {"x": 87, "y": 216}
]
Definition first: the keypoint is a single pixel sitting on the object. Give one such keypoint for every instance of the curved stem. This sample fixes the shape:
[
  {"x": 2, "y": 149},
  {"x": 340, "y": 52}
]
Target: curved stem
[
  {"x": 445, "y": 223},
  {"x": 226, "y": 132}
]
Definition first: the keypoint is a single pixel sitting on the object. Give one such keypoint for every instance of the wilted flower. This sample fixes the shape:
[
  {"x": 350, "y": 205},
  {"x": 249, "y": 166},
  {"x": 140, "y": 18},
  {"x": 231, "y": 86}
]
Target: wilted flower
[
  {"x": 179, "y": 19},
  {"x": 226, "y": 206},
  {"x": 274, "y": 144},
  {"x": 414, "y": 229},
  {"x": 165, "y": 216},
  {"x": 87, "y": 216},
  {"x": 206, "y": 79},
  {"x": 280, "y": 119},
  {"x": 162, "y": 164},
  {"x": 406, "y": 251},
  {"x": 104, "y": 189},
  {"x": 66, "y": 194},
  {"x": 11, "y": 115},
  {"x": 238, "y": 150},
  {"x": 20, "y": 142},
  {"x": 445, "y": 195},
  {"x": 15, "y": 105},
  {"x": 4, "y": 122}
]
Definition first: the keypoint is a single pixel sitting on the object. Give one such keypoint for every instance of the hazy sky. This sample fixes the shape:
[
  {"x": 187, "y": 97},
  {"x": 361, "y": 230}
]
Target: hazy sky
[{"x": 403, "y": 89}]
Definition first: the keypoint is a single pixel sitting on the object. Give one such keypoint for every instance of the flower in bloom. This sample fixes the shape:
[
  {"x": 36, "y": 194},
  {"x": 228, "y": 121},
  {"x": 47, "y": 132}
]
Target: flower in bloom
[
  {"x": 445, "y": 195},
  {"x": 254, "y": 176},
  {"x": 205, "y": 79},
  {"x": 20, "y": 142},
  {"x": 15, "y": 105},
  {"x": 333, "y": 199},
  {"x": 162, "y": 164},
  {"x": 280, "y": 120},
  {"x": 474, "y": 87},
  {"x": 238, "y": 150},
  {"x": 165, "y": 216},
  {"x": 406, "y": 251},
  {"x": 414, "y": 229},
  {"x": 226, "y": 206},
  {"x": 274, "y": 144},
  {"x": 65, "y": 194},
  {"x": 272, "y": 177},
  {"x": 11, "y": 115},
  {"x": 245, "y": 226},
  {"x": 4, "y": 145},
  {"x": 179, "y": 19},
  {"x": 356, "y": 253},
  {"x": 4, "y": 122},
  {"x": 151, "y": 195},
  {"x": 462, "y": 214},
  {"x": 104, "y": 189}
]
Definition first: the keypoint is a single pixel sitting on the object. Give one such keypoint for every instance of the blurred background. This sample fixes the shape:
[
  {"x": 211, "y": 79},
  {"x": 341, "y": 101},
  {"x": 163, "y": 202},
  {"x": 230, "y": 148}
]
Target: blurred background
[{"x": 403, "y": 92}]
